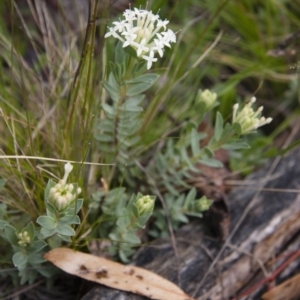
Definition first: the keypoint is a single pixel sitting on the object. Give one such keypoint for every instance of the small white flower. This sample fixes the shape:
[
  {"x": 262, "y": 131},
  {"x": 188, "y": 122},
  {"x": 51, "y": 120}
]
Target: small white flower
[
  {"x": 113, "y": 32},
  {"x": 143, "y": 31},
  {"x": 129, "y": 15},
  {"x": 163, "y": 24},
  {"x": 68, "y": 169},
  {"x": 150, "y": 59},
  {"x": 141, "y": 47},
  {"x": 154, "y": 18},
  {"x": 159, "y": 46},
  {"x": 249, "y": 119},
  {"x": 169, "y": 36},
  {"x": 120, "y": 26},
  {"x": 163, "y": 39}
]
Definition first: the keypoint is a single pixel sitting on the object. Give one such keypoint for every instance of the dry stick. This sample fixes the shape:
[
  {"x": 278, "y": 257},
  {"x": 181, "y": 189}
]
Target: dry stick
[
  {"x": 258, "y": 261},
  {"x": 271, "y": 277},
  {"x": 246, "y": 211},
  {"x": 296, "y": 191},
  {"x": 174, "y": 246},
  {"x": 51, "y": 159},
  {"x": 22, "y": 290}
]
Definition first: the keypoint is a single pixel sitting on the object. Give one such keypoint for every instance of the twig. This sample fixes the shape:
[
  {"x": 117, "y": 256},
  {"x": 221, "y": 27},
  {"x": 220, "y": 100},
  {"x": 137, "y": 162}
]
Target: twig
[{"x": 273, "y": 276}]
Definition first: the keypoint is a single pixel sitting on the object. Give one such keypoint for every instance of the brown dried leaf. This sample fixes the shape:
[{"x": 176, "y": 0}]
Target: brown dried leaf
[
  {"x": 115, "y": 275},
  {"x": 288, "y": 290}
]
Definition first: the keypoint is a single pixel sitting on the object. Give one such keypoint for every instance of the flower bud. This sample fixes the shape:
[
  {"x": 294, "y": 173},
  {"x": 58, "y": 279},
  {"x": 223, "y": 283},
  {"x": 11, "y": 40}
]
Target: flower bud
[
  {"x": 24, "y": 239},
  {"x": 207, "y": 97},
  {"x": 203, "y": 204},
  {"x": 145, "y": 204}
]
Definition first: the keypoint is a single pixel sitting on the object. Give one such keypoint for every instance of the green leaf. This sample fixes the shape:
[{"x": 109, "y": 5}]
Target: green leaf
[
  {"x": 236, "y": 146},
  {"x": 2, "y": 183},
  {"x": 50, "y": 184},
  {"x": 130, "y": 51},
  {"x": 143, "y": 220},
  {"x": 208, "y": 152},
  {"x": 36, "y": 258},
  {"x": 237, "y": 128},
  {"x": 194, "y": 214},
  {"x": 126, "y": 106},
  {"x": 2, "y": 224},
  {"x": 46, "y": 271},
  {"x": 124, "y": 256},
  {"x": 47, "y": 222},
  {"x": 120, "y": 54},
  {"x": 66, "y": 238},
  {"x": 180, "y": 217},
  {"x": 75, "y": 207},
  {"x": 109, "y": 110},
  {"x": 11, "y": 235},
  {"x": 47, "y": 232},
  {"x": 196, "y": 137},
  {"x": 135, "y": 211},
  {"x": 135, "y": 100},
  {"x": 54, "y": 241},
  {"x": 146, "y": 78},
  {"x": 141, "y": 84},
  {"x": 36, "y": 246},
  {"x": 3, "y": 208},
  {"x": 190, "y": 198},
  {"x": 139, "y": 68},
  {"x": 113, "y": 91},
  {"x": 218, "y": 127},
  {"x": 104, "y": 138},
  {"x": 211, "y": 162},
  {"x": 117, "y": 71},
  {"x": 19, "y": 259},
  {"x": 30, "y": 230},
  {"x": 65, "y": 230},
  {"x": 78, "y": 204},
  {"x": 51, "y": 210},
  {"x": 112, "y": 81},
  {"x": 67, "y": 220},
  {"x": 123, "y": 222},
  {"x": 24, "y": 275},
  {"x": 131, "y": 237}
]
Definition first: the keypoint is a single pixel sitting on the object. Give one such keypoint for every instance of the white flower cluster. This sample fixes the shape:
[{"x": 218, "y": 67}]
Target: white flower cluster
[
  {"x": 141, "y": 30},
  {"x": 24, "y": 239},
  {"x": 63, "y": 194},
  {"x": 249, "y": 119}
]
